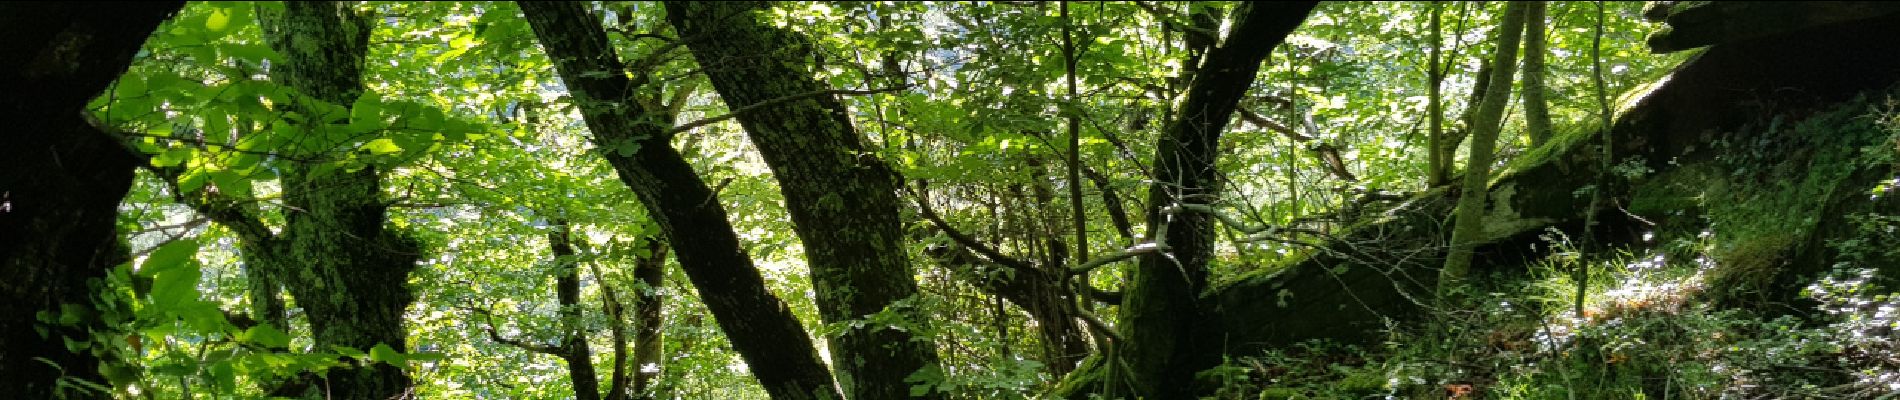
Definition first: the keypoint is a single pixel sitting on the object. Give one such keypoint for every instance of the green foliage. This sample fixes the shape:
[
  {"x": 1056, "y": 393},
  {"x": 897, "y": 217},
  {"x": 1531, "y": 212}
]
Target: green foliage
[{"x": 480, "y": 150}]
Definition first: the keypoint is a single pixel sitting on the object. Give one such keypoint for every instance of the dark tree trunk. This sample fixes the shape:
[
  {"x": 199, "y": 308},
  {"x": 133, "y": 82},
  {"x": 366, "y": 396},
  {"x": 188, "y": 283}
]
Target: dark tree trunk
[
  {"x": 842, "y": 199},
  {"x": 651, "y": 271},
  {"x": 760, "y": 326},
  {"x": 347, "y": 270},
  {"x": 1159, "y": 317},
  {"x": 265, "y": 294},
  {"x": 60, "y": 193},
  {"x": 567, "y": 290}
]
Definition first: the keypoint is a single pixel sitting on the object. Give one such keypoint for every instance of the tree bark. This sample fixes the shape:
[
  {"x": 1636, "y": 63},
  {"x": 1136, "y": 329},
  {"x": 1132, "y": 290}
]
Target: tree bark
[
  {"x": 842, "y": 199},
  {"x": 1485, "y": 126},
  {"x": 1160, "y": 317},
  {"x": 762, "y": 329},
  {"x": 1536, "y": 108},
  {"x": 354, "y": 268},
  {"x": 567, "y": 290},
  {"x": 651, "y": 271},
  {"x": 60, "y": 194},
  {"x": 1436, "y": 171}
]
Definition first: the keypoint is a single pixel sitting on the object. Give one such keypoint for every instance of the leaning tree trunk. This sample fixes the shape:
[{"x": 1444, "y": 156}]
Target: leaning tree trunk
[
  {"x": 346, "y": 268},
  {"x": 1160, "y": 317},
  {"x": 762, "y": 329},
  {"x": 842, "y": 199},
  {"x": 1485, "y": 124},
  {"x": 60, "y": 193},
  {"x": 1357, "y": 282}
]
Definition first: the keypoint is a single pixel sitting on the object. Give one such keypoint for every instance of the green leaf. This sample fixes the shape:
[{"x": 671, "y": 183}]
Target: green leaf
[
  {"x": 174, "y": 287},
  {"x": 172, "y": 157},
  {"x": 367, "y": 110},
  {"x": 383, "y": 353},
  {"x": 348, "y": 351},
  {"x": 626, "y": 148},
  {"x": 382, "y": 146},
  {"x": 192, "y": 180},
  {"x": 223, "y": 375},
  {"x": 168, "y": 256},
  {"x": 219, "y": 20},
  {"x": 266, "y": 336}
]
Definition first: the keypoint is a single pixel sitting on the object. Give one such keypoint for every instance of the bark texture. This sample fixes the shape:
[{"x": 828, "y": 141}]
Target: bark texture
[
  {"x": 763, "y": 330},
  {"x": 1160, "y": 317},
  {"x": 1484, "y": 141},
  {"x": 842, "y": 199},
  {"x": 567, "y": 291},
  {"x": 60, "y": 192},
  {"x": 651, "y": 271},
  {"x": 1536, "y": 108},
  {"x": 346, "y": 268}
]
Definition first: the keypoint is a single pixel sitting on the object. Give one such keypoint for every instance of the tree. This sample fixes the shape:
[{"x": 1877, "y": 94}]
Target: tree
[
  {"x": 1161, "y": 317},
  {"x": 1485, "y": 126},
  {"x": 63, "y": 186},
  {"x": 842, "y": 198},
  {"x": 337, "y": 254},
  {"x": 1436, "y": 170},
  {"x": 760, "y": 326},
  {"x": 1536, "y": 108}
]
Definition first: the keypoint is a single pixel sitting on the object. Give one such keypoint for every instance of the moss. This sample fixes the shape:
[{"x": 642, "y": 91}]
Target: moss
[
  {"x": 1280, "y": 393},
  {"x": 1750, "y": 265}
]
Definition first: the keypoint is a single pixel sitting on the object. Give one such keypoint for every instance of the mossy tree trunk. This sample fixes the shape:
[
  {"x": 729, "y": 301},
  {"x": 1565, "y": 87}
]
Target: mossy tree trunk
[
  {"x": 842, "y": 199},
  {"x": 1160, "y": 317},
  {"x": 762, "y": 329},
  {"x": 1484, "y": 138},
  {"x": 1536, "y": 108},
  {"x": 346, "y": 268},
  {"x": 60, "y": 193}
]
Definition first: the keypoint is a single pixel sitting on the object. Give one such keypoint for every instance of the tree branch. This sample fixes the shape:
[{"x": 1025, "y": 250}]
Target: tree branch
[
  {"x": 489, "y": 318},
  {"x": 965, "y": 239},
  {"x": 773, "y": 102},
  {"x": 1127, "y": 253}
]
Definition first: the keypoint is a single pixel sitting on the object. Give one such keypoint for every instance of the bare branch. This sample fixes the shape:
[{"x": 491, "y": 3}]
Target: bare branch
[{"x": 1127, "y": 253}]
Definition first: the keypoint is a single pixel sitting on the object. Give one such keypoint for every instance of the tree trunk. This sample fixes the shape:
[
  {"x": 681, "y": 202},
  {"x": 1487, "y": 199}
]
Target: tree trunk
[
  {"x": 1536, "y": 108},
  {"x": 354, "y": 270},
  {"x": 762, "y": 329},
  {"x": 1485, "y": 126},
  {"x": 651, "y": 271},
  {"x": 842, "y": 199},
  {"x": 1436, "y": 170},
  {"x": 567, "y": 290},
  {"x": 60, "y": 194},
  {"x": 1159, "y": 317}
]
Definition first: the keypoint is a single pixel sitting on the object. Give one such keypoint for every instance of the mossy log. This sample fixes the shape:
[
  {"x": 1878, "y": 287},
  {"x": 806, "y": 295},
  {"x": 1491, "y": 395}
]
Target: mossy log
[
  {"x": 1381, "y": 272},
  {"x": 1346, "y": 291}
]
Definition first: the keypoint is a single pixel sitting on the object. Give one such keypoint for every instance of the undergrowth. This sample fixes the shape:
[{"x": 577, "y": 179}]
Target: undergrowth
[{"x": 1644, "y": 334}]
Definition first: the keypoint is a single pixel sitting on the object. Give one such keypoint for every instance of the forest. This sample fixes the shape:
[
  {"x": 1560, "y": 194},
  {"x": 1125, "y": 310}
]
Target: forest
[{"x": 949, "y": 200}]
